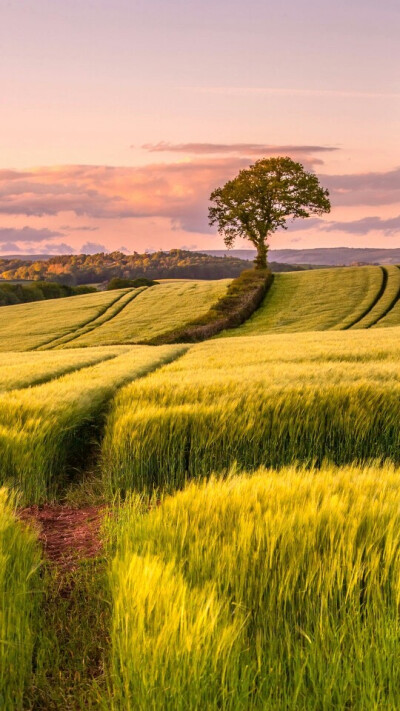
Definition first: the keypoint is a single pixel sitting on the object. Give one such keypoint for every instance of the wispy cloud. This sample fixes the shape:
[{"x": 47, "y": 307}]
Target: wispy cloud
[
  {"x": 93, "y": 248},
  {"x": 372, "y": 188},
  {"x": 79, "y": 228},
  {"x": 177, "y": 191},
  {"x": 26, "y": 234},
  {"x": 248, "y": 149},
  {"x": 275, "y": 91},
  {"x": 365, "y": 225}
]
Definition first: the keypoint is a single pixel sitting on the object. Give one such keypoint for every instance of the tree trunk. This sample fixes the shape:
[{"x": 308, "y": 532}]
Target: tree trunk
[{"x": 260, "y": 261}]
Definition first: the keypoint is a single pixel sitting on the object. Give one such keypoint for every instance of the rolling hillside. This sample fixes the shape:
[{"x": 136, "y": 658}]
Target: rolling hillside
[
  {"x": 110, "y": 317},
  {"x": 286, "y": 446},
  {"x": 328, "y": 299}
]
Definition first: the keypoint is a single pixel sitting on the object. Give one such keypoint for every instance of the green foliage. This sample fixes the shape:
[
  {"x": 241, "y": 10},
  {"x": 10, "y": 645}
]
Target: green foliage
[
  {"x": 20, "y": 597},
  {"x": 265, "y": 593},
  {"x": 95, "y": 268},
  {"x": 118, "y": 283},
  {"x": 262, "y": 198},
  {"x": 40, "y": 290},
  {"x": 72, "y": 644}
]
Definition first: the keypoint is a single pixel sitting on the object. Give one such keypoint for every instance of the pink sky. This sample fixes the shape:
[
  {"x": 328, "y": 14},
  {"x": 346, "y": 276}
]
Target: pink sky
[{"x": 119, "y": 117}]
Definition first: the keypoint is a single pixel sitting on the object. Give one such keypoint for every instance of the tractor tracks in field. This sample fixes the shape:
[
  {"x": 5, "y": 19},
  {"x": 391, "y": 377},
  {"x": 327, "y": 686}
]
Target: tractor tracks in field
[
  {"x": 380, "y": 295},
  {"x": 372, "y": 305},
  {"x": 105, "y": 315},
  {"x": 68, "y": 534},
  {"x": 389, "y": 308}
]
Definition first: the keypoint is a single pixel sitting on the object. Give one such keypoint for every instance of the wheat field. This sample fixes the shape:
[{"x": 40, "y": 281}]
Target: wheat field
[
  {"x": 251, "y": 494},
  {"x": 278, "y": 590},
  {"x": 20, "y": 598},
  {"x": 326, "y": 299},
  {"x": 44, "y": 428},
  {"x": 265, "y": 400}
]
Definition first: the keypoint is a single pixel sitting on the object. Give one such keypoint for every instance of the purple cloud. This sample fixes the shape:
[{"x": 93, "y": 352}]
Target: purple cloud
[
  {"x": 93, "y": 248},
  {"x": 364, "y": 225},
  {"x": 238, "y": 148},
  {"x": 26, "y": 234}
]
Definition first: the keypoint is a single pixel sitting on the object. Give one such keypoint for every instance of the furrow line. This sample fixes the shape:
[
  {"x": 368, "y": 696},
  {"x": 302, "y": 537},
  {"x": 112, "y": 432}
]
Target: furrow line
[
  {"x": 390, "y": 307},
  {"x": 377, "y": 298},
  {"x": 88, "y": 328},
  {"x": 82, "y": 325}
]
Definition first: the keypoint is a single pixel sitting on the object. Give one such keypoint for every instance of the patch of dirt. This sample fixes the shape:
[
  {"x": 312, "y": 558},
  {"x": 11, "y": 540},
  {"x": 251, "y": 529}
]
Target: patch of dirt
[{"x": 67, "y": 534}]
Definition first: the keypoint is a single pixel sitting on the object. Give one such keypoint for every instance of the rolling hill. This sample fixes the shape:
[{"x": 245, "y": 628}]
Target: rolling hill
[{"x": 326, "y": 299}]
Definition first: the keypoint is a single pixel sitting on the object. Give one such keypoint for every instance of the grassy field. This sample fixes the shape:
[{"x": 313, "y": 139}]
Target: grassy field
[
  {"x": 251, "y": 555},
  {"x": 21, "y": 370},
  {"x": 348, "y": 297},
  {"x": 260, "y": 400},
  {"x": 47, "y": 430},
  {"x": 124, "y": 316},
  {"x": 27, "y": 326},
  {"x": 20, "y": 598},
  {"x": 385, "y": 304},
  {"x": 155, "y": 311},
  {"x": 273, "y": 591},
  {"x": 111, "y": 312}
]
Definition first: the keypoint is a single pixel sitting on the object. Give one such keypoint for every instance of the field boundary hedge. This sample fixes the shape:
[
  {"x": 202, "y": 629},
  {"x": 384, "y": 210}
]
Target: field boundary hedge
[{"x": 243, "y": 297}]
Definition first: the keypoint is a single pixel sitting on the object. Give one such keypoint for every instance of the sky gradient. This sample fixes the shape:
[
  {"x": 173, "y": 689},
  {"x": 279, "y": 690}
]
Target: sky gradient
[{"x": 118, "y": 117}]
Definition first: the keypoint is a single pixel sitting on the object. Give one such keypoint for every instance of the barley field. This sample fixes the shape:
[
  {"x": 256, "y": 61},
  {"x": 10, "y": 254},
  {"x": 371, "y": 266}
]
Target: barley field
[
  {"x": 263, "y": 400},
  {"x": 24, "y": 327},
  {"x": 248, "y": 558},
  {"x": 276, "y": 590},
  {"x": 44, "y": 428},
  {"x": 324, "y": 299},
  {"x": 21, "y": 370},
  {"x": 20, "y": 598},
  {"x": 155, "y": 311}
]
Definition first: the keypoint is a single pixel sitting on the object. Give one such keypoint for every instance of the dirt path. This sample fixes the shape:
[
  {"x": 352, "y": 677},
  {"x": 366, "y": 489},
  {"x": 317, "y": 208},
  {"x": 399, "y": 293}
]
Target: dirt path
[{"x": 67, "y": 534}]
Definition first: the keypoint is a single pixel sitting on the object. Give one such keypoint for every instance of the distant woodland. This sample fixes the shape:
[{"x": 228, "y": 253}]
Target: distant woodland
[{"x": 75, "y": 269}]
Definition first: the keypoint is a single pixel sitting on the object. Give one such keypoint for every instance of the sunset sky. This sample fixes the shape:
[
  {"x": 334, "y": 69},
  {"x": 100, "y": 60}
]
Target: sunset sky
[{"x": 118, "y": 117}]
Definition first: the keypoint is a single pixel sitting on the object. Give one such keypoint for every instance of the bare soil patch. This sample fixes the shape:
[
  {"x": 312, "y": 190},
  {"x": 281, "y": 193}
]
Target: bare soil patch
[{"x": 67, "y": 534}]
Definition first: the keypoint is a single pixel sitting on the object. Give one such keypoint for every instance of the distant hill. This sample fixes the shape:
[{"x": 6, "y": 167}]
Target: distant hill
[
  {"x": 75, "y": 269},
  {"x": 327, "y": 256}
]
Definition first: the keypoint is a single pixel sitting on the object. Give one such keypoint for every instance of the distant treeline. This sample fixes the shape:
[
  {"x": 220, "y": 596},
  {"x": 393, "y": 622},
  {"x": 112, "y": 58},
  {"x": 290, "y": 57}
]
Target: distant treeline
[
  {"x": 94, "y": 268},
  {"x": 39, "y": 291}
]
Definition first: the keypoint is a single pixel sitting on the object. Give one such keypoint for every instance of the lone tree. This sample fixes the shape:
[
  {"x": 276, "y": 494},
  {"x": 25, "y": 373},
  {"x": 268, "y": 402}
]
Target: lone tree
[{"x": 262, "y": 198}]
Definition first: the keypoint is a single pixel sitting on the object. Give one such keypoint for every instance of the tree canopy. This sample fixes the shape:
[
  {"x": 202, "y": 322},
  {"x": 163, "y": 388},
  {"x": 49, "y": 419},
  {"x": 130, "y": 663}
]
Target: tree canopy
[{"x": 262, "y": 198}]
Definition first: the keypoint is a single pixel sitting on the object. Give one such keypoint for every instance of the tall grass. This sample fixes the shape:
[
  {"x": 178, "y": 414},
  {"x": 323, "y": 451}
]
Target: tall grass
[
  {"x": 270, "y": 400},
  {"x": 46, "y": 431},
  {"x": 273, "y": 592},
  {"x": 21, "y": 370},
  {"x": 20, "y": 597}
]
